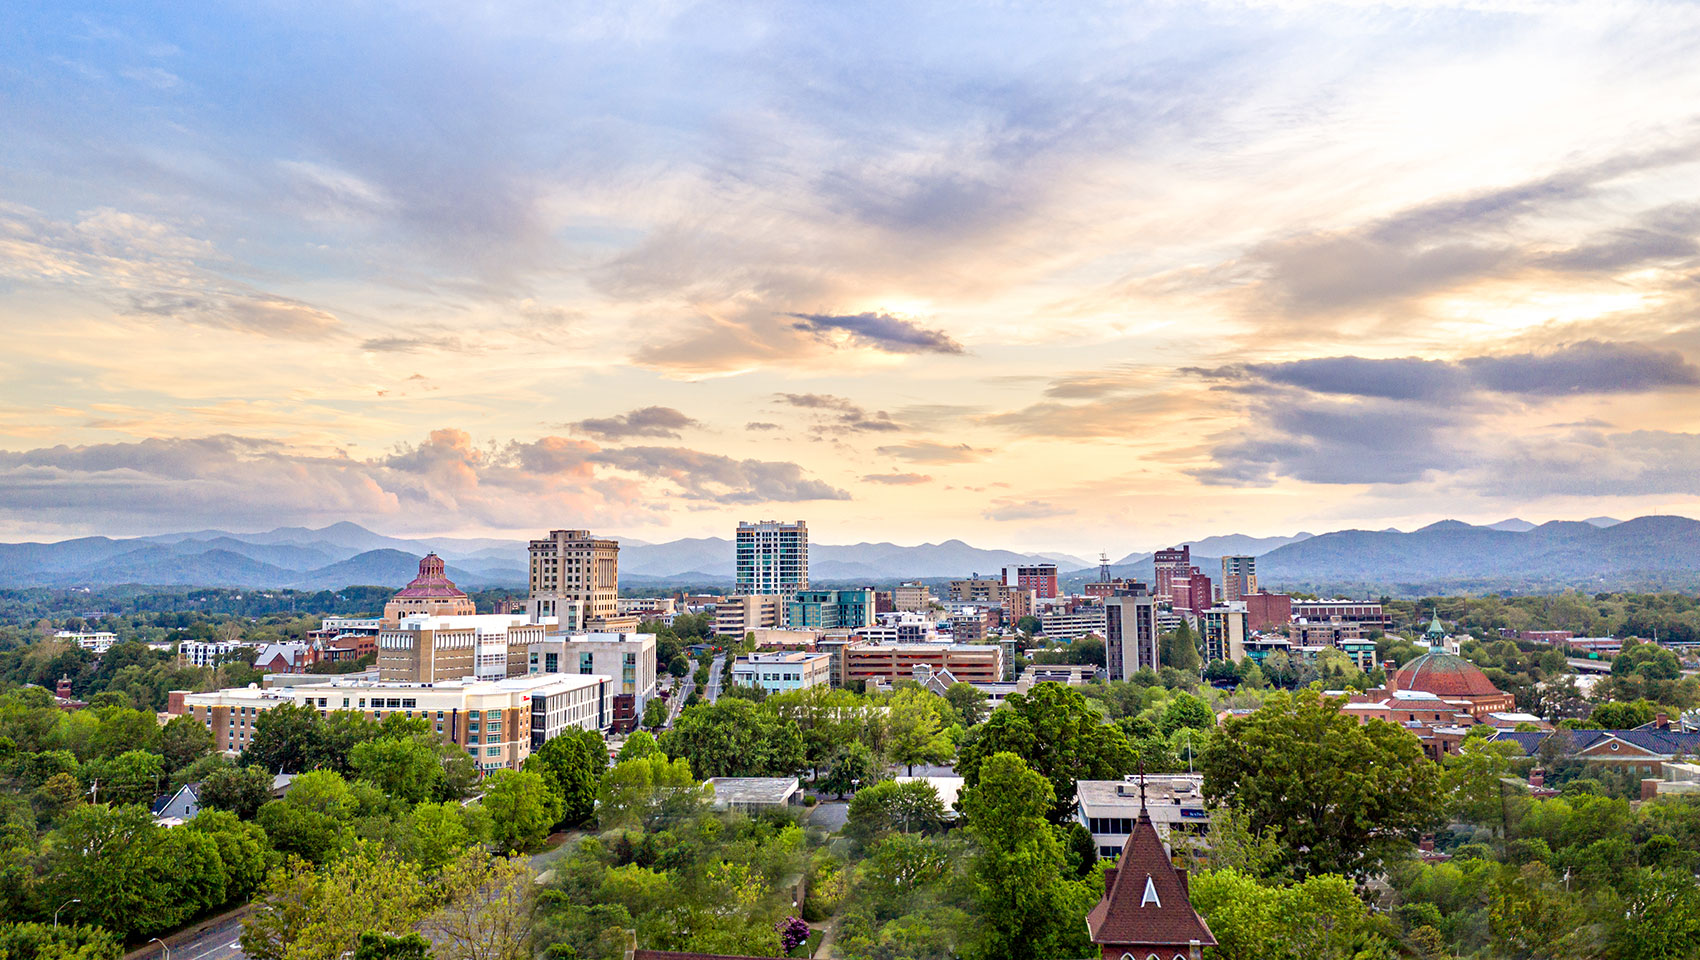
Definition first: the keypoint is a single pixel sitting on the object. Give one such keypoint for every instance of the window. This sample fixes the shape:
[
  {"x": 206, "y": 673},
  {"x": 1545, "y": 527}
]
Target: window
[
  {"x": 492, "y": 751},
  {"x": 409, "y": 704}
]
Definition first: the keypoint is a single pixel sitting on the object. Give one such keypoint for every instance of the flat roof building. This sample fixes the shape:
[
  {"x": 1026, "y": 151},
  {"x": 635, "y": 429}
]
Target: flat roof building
[
  {"x": 780, "y": 672},
  {"x": 890, "y": 662}
]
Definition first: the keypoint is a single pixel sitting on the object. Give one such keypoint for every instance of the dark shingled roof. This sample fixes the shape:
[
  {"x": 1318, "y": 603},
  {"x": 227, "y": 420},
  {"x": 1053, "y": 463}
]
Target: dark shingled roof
[
  {"x": 1126, "y": 916},
  {"x": 1667, "y": 742}
]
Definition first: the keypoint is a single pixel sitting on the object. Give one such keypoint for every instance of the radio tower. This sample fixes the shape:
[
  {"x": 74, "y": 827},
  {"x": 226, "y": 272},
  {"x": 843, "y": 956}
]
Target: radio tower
[{"x": 1103, "y": 567}]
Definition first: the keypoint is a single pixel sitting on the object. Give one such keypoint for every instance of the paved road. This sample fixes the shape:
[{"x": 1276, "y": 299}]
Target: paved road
[
  {"x": 712, "y": 693},
  {"x": 217, "y": 942},
  {"x": 831, "y": 815}
]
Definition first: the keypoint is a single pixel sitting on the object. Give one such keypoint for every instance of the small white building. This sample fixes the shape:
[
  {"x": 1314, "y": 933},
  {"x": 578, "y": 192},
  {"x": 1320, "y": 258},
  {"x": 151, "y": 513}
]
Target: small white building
[
  {"x": 1108, "y": 808},
  {"x": 95, "y": 642},
  {"x": 779, "y": 672},
  {"x": 753, "y": 794}
]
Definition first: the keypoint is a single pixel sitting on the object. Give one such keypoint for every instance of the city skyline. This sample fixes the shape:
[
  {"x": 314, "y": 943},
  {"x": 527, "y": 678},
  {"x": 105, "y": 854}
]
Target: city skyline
[{"x": 988, "y": 275}]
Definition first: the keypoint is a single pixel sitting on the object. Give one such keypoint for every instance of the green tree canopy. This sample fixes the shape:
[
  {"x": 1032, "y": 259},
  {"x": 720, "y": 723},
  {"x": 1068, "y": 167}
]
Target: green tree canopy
[
  {"x": 1057, "y": 734},
  {"x": 1341, "y": 796}
]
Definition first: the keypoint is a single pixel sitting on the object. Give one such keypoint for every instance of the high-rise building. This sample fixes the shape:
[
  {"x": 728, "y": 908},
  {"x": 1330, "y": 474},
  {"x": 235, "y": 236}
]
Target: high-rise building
[
  {"x": 1239, "y": 578},
  {"x": 1041, "y": 578},
  {"x": 772, "y": 557},
  {"x": 1191, "y": 591},
  {"x": 830, "y": 609},
  {"x": 431, "y": 593},
  {"x": 912, "y": 596},
  {"x": 1130, "y": 634},
  {"x": 1170, "y": 564},
  {"x": 575, "y": 579},
  {"x": 1224, "y": 631}
]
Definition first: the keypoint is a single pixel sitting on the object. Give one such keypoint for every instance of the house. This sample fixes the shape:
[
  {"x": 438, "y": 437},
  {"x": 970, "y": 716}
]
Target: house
[
  {"x": 1644, "y": 751},
  {"x": 286, "y": 657},
  {"x": 170, "y": 810}
]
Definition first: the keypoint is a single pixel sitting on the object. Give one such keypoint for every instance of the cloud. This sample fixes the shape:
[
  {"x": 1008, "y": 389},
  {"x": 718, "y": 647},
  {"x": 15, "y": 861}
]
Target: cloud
[
  {"x": 1588, "y": 367},
  {"x": 647, "y": 422},
  {"x": 881, "y": 331},
  {"x": 444, "y": 480},
  {"x": 1590, "y": 463},
  {"x": 761, "y": 425},
  {"x": 721, "y": 479},
  {"x": 1369, "y": 440},
  {"x": 924, "y": 451},
  {"x": 411, "y": 344},
  {"x": 898, "y": 479},
  {"x": 1113, "y": 416},
  {"x": 1009, "y": 510},
  {"x": 843, "y": 413}
]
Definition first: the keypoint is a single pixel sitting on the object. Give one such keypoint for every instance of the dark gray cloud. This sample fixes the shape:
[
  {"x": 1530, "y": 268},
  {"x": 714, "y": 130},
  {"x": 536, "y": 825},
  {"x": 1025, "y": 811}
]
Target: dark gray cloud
[
  {"x": 647, "y": 422},
  {"x": 721, "y": 479},
  {"x": 898, "y": 479},
  {"x": 264, "y": 314},
  {"x": 1588, "y": 367},
  {"x": 882, "y": 331},
  {"x": 925, "y": 451}
]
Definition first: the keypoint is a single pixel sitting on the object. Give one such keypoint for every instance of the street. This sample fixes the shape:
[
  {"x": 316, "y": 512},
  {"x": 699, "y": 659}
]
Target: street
[
  {"x": 216, "y": 942},
  {"x": 713, "y": 692}
]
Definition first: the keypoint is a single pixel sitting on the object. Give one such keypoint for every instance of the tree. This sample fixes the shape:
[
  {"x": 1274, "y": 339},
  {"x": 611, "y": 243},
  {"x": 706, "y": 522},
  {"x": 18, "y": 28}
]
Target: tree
[
  {"x": 649, "y": 790},
  {"x": 1623, "y": 716},
  {"x": 242, "y": 849},
  {"x": 969, "y": 702},
  {"x": 655, "y": 714},
  {"x": 383, "y": 946},
  {"x": 112, "y": 859},
  {"x": 852, "y": 769},
  {"x": 1027, "y": 905},
  {"x": 1661, "y": 917},
  {"x": 407, "y": 768},
  {"x": 1341, "y": 796},
  {"x": 679, "y": 666},
  {"x": 1058, "y": 734},
  {"x": 42, "y": 941},
  {"x": 487, "y": 908},
  {"x": 307, "y": 914},
  {"x": 910, "y": 807},
  {"x": 1186, "y": 711},
  {"x": 1471, "y": 781},
  {"x": 435, "y": 833},
  {"x": 639, "y": 744},
  {"x": 912, "y": 725},
  {"x": 522, "y": 809},
  {"x": 735, "y": 738},
  {"x": 240, "y": 790},
  {"x": 183, "y": 741},
  {"x": 572, "y": 763},
  {"x": 1321, "y": 918},
  {"x": 288, "y": 738},
  {"x": 1180, "y": 650},
  {"x": 132, "y": 777}
]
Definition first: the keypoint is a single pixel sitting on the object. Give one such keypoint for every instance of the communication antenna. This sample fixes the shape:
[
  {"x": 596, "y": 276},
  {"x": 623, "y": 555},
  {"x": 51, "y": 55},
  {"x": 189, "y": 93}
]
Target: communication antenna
[{"x": 1103, "y": 567}]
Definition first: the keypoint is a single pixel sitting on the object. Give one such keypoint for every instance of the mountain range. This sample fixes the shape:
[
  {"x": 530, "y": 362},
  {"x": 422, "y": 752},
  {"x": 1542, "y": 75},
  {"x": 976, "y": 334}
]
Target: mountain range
[{"x": 1656, "y": 552}]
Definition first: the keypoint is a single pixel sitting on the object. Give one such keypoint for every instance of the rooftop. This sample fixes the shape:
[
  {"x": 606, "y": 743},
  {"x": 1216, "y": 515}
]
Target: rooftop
[
  {"x": 758, "y": 791},
  {"x": 1124, "y": 794}
]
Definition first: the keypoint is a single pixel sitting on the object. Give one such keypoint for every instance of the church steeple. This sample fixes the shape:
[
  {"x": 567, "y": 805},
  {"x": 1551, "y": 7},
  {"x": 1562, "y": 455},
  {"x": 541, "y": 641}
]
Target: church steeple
[{"x": 1146, "y": 909}]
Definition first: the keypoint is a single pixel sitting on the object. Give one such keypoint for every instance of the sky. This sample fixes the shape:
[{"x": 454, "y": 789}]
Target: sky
[{"x": 1037, "y": 276}]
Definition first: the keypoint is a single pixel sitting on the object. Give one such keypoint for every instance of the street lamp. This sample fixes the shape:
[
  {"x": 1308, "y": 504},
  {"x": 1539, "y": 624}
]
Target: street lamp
[
  {"x": 61, "y": 907},
  {"x": 163, "y": 946}
]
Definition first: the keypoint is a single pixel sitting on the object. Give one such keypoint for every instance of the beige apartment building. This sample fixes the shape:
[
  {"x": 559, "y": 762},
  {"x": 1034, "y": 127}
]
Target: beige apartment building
[
  {"x": 970, "y": 663},
  {"x": 571, "y": 568},
  {"x": 498, "y": 722},
  {"x": 737, "y": 616},
  {"x": 425, "y": 649}
]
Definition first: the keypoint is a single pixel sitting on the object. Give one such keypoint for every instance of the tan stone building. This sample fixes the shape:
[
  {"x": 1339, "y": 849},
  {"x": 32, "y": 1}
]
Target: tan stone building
[{"x": 575, "y": 579}]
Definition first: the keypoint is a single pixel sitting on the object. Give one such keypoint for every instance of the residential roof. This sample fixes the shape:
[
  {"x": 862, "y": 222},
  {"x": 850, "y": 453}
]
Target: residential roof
[
  {"x": 1145, "y": 902},
  {"x": 1666, "y": 742}
]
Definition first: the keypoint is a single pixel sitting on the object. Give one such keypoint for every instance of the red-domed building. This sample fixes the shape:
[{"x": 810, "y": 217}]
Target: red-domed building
[
  {"x": 1453, "y": 679},
  {"x": 432, "y": 593}
]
